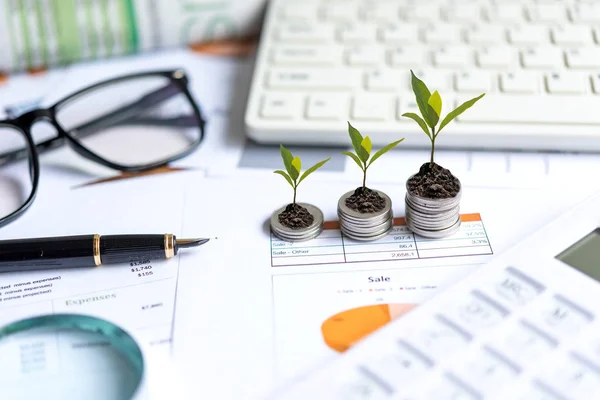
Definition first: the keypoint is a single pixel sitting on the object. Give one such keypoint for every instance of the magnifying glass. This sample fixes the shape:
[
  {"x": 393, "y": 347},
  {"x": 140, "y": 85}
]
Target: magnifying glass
[{"x": 68, "y": 357}]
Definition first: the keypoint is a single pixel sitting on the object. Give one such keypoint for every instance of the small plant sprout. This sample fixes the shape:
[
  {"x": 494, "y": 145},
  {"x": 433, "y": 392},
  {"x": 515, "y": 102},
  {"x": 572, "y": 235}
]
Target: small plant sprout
[
  {"x": 293, "y": 165},
  {"x": 430, "y": 106},
  {"x": 362, "y": 147}
]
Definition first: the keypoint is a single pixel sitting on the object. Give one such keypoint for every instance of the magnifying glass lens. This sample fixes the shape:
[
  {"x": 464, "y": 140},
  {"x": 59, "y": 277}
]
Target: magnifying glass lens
[{"x": 64, "y": 363}]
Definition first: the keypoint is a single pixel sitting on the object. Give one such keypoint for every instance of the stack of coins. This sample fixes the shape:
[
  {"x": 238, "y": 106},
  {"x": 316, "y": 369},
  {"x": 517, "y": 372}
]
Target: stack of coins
[
  {"x": 298, "y": 234},
  {"x": 364, "y": 226},
  {"x": 433, "y": 218}
]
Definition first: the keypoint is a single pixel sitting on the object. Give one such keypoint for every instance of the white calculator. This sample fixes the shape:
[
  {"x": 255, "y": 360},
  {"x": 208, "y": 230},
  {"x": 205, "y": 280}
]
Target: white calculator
[{"x": 525, "y": 326}]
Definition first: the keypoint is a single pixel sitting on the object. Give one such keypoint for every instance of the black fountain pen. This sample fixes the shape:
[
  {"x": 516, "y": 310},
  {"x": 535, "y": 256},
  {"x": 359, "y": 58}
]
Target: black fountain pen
[{"x": 88, "y": 250}]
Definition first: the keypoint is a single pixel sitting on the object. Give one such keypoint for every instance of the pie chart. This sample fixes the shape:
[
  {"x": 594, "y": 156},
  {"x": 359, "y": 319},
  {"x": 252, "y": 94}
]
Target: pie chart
[{"x": 342, "y": 330}]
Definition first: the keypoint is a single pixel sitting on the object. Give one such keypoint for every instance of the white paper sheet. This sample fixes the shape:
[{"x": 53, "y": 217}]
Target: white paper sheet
[{"x": 243, "y": 323}]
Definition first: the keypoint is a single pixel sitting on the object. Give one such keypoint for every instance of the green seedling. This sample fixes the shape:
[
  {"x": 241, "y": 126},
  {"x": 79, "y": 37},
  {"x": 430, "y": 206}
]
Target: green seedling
[
  {"x": 293, "y": 165},
  {"x": 430, "y": 106},
  {"x": 362, "y": 147}
]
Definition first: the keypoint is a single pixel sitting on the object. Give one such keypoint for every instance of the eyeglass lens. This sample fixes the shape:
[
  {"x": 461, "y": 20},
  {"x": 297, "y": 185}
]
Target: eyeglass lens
[
  {"x": 132, "y": 122},
  {"x": 15, "y": 177}
]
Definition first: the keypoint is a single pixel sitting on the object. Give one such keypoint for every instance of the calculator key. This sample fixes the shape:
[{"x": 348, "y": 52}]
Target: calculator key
[
  {"x": 538, "y": 391},
  {"x": 406, "y": 56},
  {"x": 555, "y": 13},
  {"x": 576, "y": 377},
  {"x": 358, "y": 34},
  {"x": 585, "y": 12},
  {"x": 542, "y": 57},
  {"x": 440, "y": 338},
  {"x": 453, "y": 56},
  {"x": 453, "y": 388},
  {"x": 442, "y": 33},
  {"x": 477, "y": 312},
  {"x": 399, "y": 366},
  {"x": 362, "y": 384},
  {"x": 563, "y": 316},
  {"x": 525, "y": 343},
  {"x": 486, "y": 34},
  {"x": 596, "y": 83},
  {"x": 529, "y": 34},
  {"x": 516, "y": 288},
  {"x": 489, "y": 369}
]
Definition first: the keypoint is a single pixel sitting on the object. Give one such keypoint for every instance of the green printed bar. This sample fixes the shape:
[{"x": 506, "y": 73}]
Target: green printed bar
[
  {"x": 129, "y": 20},
  {"x": 89, "y": 21},
  {"x": 26, "y": 39},
  {"x": 42, "y": 34},
  {"x": 108, "y": 38},
  {"x": 65, "y": 17},
  {"x": 12, "y": 34}
]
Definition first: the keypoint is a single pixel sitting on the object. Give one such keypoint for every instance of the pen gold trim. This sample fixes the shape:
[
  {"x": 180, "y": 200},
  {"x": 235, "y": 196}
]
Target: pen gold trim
[
  {"x": 169, "y": 245},
  {"x": 97, "y": 258}
]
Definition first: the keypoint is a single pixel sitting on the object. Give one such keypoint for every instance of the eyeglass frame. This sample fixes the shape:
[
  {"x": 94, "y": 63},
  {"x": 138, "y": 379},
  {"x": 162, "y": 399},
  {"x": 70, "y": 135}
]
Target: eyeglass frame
[{"x": 24, "y": 122}]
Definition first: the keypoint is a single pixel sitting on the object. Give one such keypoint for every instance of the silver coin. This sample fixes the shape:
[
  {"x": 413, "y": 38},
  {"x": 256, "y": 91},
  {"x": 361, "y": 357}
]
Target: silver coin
[
  {"x": 428, "y": 202},
  {"x": 365, "y": 226},
  {"x": 435, "y": 234},
  {"x": 298, "y": 235},
  {"x": 351, "y": 214},
  {"x": 441, "y": 205}
]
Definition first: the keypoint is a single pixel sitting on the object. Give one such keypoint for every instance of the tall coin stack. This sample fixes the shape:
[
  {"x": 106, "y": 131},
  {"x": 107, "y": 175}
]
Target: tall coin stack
[
  {"x": 364, "y": 226},
  {"x": 294, "y": 234},
  {"x": 433, "y": 218}
]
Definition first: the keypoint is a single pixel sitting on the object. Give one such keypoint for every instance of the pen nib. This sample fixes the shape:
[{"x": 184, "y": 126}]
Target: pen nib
[{"x": 185, "y": 243}]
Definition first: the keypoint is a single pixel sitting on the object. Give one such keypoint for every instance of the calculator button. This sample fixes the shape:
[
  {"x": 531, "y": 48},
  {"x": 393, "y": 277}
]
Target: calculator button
[
  {"x": 478, "y": 312},
  {"x": 363, "y": 385},
  {"x": 517, "y": 288},
  {"x": 526, "y": 343},
  {"x": 563, "y": 316},
  {"x": 576, "y": 377},
  {"x": 539, "y": 391},
  {"x": 489, "y": 369},
  {"x": 400, "y": 366},
  {"x": 440, "y": 338},
  {"x": 453, "y": 388}
]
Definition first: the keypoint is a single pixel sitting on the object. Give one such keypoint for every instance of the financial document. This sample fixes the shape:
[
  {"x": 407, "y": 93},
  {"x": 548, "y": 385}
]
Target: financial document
[
  {"x": 255, "y": 310},
  {"x": 138, "y": 296}
]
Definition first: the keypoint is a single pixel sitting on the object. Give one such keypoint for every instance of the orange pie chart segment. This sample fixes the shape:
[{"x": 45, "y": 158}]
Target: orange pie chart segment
[{"x": 343, "y": 329}]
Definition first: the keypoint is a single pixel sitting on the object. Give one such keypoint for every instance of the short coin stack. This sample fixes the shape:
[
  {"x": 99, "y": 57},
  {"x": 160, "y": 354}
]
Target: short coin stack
[
  {"x": 433, "y": 218},
  {"x": 364, "y": 226},
  {"x": 298, "y": 234}
]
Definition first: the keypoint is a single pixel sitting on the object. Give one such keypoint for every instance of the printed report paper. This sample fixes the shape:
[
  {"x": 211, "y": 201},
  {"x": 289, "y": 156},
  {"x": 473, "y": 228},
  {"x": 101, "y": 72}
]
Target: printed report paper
[{"x": 253, "y": 311}]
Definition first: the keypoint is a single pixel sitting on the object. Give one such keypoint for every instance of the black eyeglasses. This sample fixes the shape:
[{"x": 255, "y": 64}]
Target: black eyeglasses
[{"x": 131, "y": 123}]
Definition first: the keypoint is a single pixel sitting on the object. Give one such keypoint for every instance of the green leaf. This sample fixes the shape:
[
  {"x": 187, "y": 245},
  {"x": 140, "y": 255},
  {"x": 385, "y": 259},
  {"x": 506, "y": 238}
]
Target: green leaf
[
  {"x": 435, "y": 101},
  {"x": 286, "y": 176},
  {"x": 312, "y": 169},
  {"x": 422, "y": 95},
  {"x": 297, "y": 164},
  {"x": 419, "y": 121},
  {"x": 384, "y": 150},
  {"x": 367, "y": 146},
  {"x": 357, "y": 139},
  {"x": 354, "y": 157},
  {"x": 287, "y": 161},
  {"x": 459, "y": 110}
]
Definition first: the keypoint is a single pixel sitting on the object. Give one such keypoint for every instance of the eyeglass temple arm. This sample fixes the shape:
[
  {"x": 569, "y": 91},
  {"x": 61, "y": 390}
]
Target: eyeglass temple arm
[{"x": 121, "y": 115}]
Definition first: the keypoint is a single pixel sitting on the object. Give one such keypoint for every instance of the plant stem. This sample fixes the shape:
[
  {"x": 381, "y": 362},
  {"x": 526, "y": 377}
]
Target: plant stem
[
  {"x": 432, "y": 145},
  {"x": 294, "y": 202},
  {"x": 364, "y": 177}
]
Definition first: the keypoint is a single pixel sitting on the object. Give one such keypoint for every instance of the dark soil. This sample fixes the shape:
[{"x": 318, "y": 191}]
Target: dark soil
[
  {"x": 434, "y": 182},
  {"x": 365, "y": 200},
  {"x": 296, "y": 217}
]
